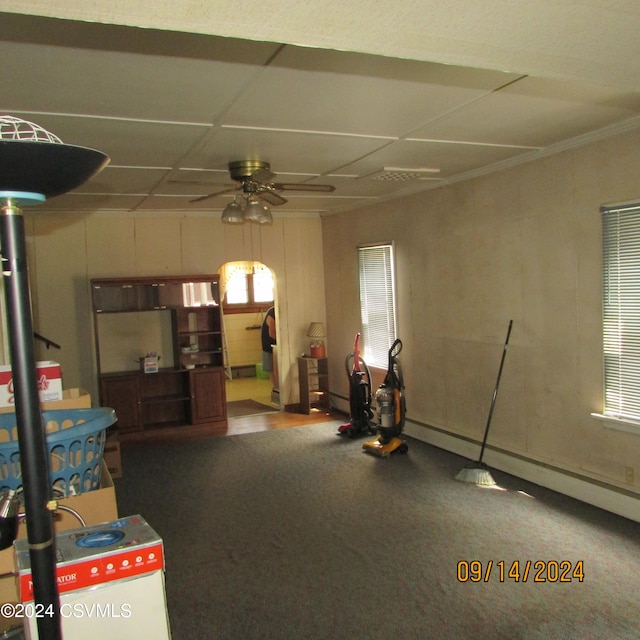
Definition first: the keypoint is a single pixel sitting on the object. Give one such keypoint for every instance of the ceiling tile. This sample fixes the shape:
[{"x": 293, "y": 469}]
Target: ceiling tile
[
  {"x": 194, "y": 182},
  {"x": 124, "y": 72},
  {"x": 131, "y": 180},
  {"x": 88, "y": 203},
  {"x": 535, "y": 112},
  {"x": 449, "y": 158},
  {"x": 174, "y": 203},
  {"x": 332, "y": 91}
]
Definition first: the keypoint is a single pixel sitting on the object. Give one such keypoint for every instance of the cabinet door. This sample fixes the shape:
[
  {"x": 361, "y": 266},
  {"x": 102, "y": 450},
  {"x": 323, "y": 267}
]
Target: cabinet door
[
  {"x": 208, "y": 398},
  {"x": 170, "y": 295},
  {"x": 116, "y": 297},
  {"x": 122, "y": 395}
]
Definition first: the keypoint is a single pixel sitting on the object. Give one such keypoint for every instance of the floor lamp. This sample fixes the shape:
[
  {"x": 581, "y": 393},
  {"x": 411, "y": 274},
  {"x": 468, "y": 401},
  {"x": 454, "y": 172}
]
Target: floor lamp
[{"x": 34, "y": 166}]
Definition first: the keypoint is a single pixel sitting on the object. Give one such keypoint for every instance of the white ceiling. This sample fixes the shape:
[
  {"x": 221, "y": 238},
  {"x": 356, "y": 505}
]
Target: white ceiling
[{"x": 172, "y": 108}]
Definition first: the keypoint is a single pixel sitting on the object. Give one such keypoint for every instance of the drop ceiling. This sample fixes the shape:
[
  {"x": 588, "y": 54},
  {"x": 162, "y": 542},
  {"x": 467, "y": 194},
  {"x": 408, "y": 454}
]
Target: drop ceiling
[{"x": 172, "y": 108}]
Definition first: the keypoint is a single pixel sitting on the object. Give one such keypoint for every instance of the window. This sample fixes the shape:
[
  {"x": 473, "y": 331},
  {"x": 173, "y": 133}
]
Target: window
[
  {"x": 262, "y": 284},
  {"x": 247, "y": 287},
  {"x": 237, "y": 286},
  {"x": 377, "y": 302},
  {"x": 621, "y": 317}
]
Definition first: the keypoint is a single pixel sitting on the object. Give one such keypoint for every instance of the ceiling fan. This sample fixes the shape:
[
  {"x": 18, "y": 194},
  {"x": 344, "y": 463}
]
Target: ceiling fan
[{"x": 255, "y": 179}]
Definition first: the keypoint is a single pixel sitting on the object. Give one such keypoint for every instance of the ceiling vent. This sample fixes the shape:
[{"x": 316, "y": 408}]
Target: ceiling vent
[{"x": 401, "y": 174}]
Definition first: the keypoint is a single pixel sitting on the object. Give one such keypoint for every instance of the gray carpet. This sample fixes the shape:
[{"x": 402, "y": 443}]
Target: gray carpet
[{"x": 299, "y": 534}]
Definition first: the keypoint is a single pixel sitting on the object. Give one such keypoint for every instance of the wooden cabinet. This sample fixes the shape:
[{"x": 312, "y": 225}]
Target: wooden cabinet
[
  {"x": 208, "y": 402},
  {"x": 189, "y": 392},
  {"x": 118, "y": 295},
  {"x": 314, "y": 384},
  {"x": 121, "y": 393}
]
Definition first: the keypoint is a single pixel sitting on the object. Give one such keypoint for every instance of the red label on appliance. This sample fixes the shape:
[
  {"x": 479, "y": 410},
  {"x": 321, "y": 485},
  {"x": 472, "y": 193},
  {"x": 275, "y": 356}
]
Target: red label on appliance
[{"x": 100, "y": 569}]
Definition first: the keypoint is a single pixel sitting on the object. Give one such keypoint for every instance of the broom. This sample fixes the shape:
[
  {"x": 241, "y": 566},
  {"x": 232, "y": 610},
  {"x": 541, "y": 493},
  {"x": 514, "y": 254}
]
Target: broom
[{"x": 478, "y": 472}]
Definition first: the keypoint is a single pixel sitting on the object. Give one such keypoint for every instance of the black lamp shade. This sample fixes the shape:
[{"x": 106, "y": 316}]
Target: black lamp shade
[{"x": 46, "y": 168}]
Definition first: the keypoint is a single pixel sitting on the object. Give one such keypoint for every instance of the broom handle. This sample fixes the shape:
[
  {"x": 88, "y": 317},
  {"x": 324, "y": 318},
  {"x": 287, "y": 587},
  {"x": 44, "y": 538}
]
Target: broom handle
[{"x": 495, "y": 392}]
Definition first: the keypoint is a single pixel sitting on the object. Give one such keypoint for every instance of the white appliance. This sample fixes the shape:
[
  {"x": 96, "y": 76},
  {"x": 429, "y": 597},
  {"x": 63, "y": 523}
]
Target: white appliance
[{"x": 110, "y": 580}]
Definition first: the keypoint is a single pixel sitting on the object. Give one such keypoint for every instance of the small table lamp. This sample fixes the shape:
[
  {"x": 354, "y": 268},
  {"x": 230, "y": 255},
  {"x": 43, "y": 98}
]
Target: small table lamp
[{"x": 316, "y": 332}]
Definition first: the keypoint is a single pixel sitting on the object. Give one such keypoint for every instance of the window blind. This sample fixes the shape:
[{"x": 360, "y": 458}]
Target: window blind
[
  {"x": 377, "y": 302},
  {"x": 621, "y": 311}
]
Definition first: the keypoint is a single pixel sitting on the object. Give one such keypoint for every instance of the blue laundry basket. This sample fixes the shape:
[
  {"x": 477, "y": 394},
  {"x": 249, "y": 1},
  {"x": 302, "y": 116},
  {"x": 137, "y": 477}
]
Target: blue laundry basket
[{"x": 75, "y": 441}]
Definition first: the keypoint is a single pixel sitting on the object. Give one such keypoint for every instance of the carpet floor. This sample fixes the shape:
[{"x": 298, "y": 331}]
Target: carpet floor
[{"x": 299, "y": 534}]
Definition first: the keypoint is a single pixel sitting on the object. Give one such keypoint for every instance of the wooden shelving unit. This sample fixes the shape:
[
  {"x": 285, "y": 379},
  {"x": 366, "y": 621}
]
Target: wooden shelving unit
[
  {"x": 314, "y": 384},
  {"x": 189, "y": 395}
]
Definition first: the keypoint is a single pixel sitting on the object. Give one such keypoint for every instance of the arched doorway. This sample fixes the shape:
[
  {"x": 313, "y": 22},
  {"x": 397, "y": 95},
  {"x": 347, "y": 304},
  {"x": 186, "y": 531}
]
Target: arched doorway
[{"x": 248, "y": 291}]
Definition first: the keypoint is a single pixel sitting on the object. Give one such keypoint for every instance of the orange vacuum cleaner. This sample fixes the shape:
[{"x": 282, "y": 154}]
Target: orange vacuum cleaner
[{"x": 391, "y": 406}]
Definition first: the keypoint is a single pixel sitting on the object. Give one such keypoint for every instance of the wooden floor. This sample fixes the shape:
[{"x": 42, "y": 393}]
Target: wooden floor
[
  {"x": 278, "y": 420},
  {"x": 239, "y": 389},
  {"x": 260, "y": 391}
]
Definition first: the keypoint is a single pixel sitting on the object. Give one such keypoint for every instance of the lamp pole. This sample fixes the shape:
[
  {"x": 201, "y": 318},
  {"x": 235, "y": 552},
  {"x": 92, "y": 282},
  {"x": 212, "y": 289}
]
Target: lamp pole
[
  {"x": 34, "y": 165},
  {"x": 34, "y": 460}
]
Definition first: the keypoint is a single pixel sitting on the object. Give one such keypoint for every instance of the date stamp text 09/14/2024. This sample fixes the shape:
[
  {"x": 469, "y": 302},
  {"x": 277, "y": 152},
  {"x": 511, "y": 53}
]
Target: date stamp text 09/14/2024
[{"x": 536, "y": 571}]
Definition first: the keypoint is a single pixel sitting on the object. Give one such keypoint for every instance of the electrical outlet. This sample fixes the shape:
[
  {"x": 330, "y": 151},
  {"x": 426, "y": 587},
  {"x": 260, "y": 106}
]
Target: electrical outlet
[{"x": 629, "y": 475}]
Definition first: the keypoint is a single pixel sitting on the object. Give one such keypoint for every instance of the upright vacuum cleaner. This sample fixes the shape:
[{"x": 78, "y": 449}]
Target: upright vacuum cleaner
[
  {"x": 359, "y": 395},
  {"x": 391, "y": 408}
]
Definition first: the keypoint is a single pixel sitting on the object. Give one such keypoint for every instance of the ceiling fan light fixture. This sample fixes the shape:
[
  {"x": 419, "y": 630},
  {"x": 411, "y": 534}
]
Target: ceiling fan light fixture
[
  {"x": 234, "y": 212},
  {"x": 255, "y": 211},
  {"x": 267, "y": 217}
]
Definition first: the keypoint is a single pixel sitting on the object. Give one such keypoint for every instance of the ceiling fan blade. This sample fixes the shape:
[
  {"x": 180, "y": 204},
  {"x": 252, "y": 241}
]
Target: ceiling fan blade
[
  {"x": 213, "y": 195},
  {"x": 271, "y": 196},
  {"x": 262, "y": 175},
  {"x": 324, "y": 188}
]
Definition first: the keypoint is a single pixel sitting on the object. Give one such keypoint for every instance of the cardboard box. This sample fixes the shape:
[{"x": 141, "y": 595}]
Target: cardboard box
[
  {"x": 112, "y": 455},
  {"x": 94, "y": 506},
  {"x": 49, "y": 379},
  {"x": 8, "y": 588},
  {"x": 71, "y": 399},
  {"x": 75, "y": 398},
  {"x": 149, "y": 364}
]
